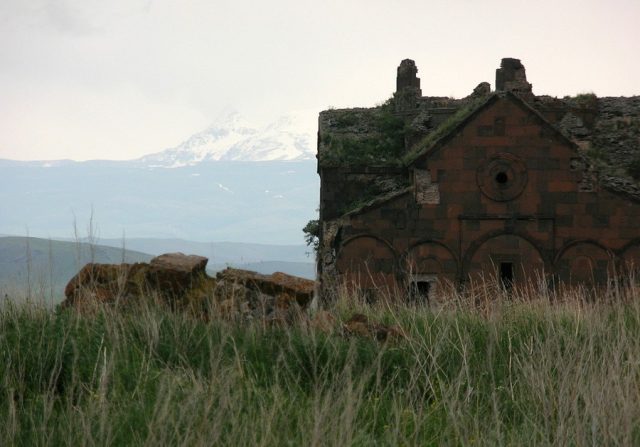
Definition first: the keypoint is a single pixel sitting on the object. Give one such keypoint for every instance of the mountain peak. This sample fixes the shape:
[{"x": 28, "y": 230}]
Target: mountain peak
[
  {"x": 231, "y": 138},
  {"x": 229, "y": 118}
]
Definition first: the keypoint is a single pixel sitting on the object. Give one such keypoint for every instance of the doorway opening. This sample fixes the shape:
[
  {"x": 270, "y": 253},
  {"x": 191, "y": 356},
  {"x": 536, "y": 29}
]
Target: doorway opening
[
  {"x": 422, "y": 288},
  {"x": 506, "y": 274}
]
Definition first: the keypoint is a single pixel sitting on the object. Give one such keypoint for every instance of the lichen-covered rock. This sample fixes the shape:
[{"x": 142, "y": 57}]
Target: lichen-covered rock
[
  {"x": 280, "y": 286},
  {"x": 277, "y": 299},
  {"x": 177, "y": 279},
  {"x": 190, "y": 264},
  {"x": 174, "y": 273},
  {"x": 181, "y": 281},
  {"x": 106, "y": 283}
]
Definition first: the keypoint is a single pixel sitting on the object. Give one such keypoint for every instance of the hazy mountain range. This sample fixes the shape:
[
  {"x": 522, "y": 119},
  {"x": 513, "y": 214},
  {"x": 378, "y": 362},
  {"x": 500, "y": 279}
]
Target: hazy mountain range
[
  {"x": 263, "y": 258},
  {"x": 252, "y": 186},
  {"x": 44, "y": 266},
  {"x": 231, "y": 182},
  {"x": 231, "y": 138}
]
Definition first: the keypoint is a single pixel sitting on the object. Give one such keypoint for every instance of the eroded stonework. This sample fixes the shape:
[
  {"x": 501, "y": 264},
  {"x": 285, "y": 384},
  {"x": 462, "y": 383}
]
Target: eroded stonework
[{"x": 425, "y": 191}]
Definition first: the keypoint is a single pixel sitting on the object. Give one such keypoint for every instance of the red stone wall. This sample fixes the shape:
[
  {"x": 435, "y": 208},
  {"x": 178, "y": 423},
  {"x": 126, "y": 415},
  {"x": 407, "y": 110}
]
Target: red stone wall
[
  {"x": 511, "y": 190},
  {"x": 370, "y": 263}
]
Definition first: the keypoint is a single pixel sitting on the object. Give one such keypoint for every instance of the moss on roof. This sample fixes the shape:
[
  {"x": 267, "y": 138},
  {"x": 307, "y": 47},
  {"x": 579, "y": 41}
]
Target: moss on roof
[
  {"x": 442, "y": 131},
  {"x": 376, "y": 136},
  {"x": 361, "y": 136},
  {"x": 377, "y": 190}
]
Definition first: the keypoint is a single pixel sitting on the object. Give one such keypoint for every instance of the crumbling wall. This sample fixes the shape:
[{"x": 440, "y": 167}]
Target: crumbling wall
[
  {"x": 544, "y": 198},
  {"x": 511, "y": 76}
]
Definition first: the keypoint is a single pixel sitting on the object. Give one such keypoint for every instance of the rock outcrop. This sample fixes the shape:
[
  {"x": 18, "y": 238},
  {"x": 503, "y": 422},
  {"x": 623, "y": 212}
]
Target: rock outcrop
[
  {"x": 175, "y": 274},
  {"x": 181, "y": 282},
  {"x": 175, "y": 278},
  {"x": 277, "y": 298}
]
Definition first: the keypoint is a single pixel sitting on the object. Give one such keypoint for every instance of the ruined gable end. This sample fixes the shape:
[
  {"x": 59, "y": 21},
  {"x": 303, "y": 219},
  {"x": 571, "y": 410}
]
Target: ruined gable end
[{"x": 424, "y": 193}]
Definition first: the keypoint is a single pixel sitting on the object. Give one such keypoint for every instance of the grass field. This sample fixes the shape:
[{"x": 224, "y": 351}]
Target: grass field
[{"x": 531, "y": 370}]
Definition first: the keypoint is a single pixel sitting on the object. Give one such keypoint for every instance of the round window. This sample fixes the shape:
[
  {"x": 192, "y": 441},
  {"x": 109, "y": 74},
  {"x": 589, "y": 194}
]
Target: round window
[{"x": 502, "y": 177}]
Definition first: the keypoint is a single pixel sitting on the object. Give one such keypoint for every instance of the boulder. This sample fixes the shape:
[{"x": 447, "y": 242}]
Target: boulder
[
  {"x": 181, "y": 281},
  {"x": 105, "y": 283},
  {"x": 173, "y": 274},
  {"x": 179, "y": 262},
  {"x": 284, "y": 289},
  {"x": 276, "y": 299},
  {"x": 175, "y": 278}
]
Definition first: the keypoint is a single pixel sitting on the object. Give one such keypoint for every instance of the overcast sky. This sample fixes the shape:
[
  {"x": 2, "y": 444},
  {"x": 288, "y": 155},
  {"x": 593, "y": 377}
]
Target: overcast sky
[{"x": 117, "y": 79}]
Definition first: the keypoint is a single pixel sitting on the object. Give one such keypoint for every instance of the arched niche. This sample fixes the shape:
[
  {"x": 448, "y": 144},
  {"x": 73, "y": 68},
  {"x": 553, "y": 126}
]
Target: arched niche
[
  {"x": 430, "y": 266},
  {"x": 586, "y": 263},
  {"x": 508, "y": 258},
  {"x": 366, "y": 262}
]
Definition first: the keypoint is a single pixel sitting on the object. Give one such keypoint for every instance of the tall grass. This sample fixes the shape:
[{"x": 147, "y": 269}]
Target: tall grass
[{"x": 533, "y": 370}]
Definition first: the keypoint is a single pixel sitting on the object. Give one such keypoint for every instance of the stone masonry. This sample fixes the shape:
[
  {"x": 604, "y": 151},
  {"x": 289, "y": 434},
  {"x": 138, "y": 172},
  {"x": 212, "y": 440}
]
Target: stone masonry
[{"x": 425, "y": 190}]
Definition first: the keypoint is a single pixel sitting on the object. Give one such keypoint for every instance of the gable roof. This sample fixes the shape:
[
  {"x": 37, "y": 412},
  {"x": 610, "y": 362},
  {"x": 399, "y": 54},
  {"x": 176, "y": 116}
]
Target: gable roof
[
  {"x": 448, "y": 129},
  {"x": 378, "y": 200},
  {"x": 436, "y": 140},
  {"x": 432, "y": 143},
  {"x": 621, "y": 187},
  {"x": 439, "y": 137}
]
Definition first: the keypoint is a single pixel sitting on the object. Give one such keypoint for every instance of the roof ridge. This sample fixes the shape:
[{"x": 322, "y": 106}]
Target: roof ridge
[
  {"x": 448, "y": 128},
  {"x": 379, "y": 199}
]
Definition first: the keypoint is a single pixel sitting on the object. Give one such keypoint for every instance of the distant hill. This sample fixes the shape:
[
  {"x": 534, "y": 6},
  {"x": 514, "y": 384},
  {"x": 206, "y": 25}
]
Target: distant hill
[
  {"x": 217, "y": 252},
  {"x": 302, "y": 269},
  {"x": 266, "y": 202},
  {"x": 263, "y": 258},
  {"x": 47, "y": 265},
  {"x": 234, "y": 181}
]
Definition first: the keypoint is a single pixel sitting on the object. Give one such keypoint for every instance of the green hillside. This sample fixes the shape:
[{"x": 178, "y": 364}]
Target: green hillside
[
  {"x": 43, "y": 265},
  {"x": 302, "y": 269},
  {"x": 487, "y": 369}
]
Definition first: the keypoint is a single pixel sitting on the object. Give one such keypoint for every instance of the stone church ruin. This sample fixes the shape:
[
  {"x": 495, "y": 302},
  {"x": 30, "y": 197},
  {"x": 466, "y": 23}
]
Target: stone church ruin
[{"x": 506, "y": 184}]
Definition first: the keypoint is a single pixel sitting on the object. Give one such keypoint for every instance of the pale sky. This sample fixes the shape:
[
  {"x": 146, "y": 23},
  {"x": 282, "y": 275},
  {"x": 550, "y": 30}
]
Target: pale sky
[{"x": 86, "y": 79}]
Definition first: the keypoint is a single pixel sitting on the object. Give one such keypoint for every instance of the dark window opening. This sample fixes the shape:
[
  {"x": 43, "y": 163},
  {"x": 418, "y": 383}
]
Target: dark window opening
[
  {"x": 420, "y": 290},
  {"x": 506, "y": 274},
  {"x": 502, "y": 178}
]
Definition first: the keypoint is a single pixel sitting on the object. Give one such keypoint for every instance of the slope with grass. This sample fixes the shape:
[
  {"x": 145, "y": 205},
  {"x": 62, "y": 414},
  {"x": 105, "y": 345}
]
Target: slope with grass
[
  {"x": 561, "y": 372},
  {"x": 44, "y": 264},
  {"x": 27, "y": 262}
]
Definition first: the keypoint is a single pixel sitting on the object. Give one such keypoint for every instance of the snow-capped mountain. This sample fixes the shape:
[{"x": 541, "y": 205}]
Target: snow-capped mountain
[
  {"x": 228, "y": 184},
  {"x": 231, "y": 138}
]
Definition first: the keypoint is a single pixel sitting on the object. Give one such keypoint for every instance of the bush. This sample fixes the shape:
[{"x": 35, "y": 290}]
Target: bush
[
  {"x": 383, "y": 145},
  {"x": 312, "y": 234}
]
